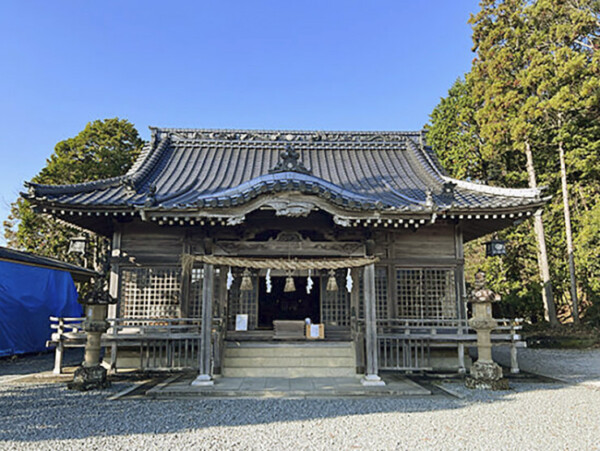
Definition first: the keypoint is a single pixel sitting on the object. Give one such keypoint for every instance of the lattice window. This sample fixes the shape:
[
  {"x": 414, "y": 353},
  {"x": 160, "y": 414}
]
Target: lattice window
[
  {"x": 195, "y": 305},
  {"x": 196, "y": 283},
  {"x": 243, "y": 302},
  {"x": 381, "y": 293},
  {"x": 150, "y": 292},
  {"x": 335, "y": 305},
  {"x": 426, "y": 293}
]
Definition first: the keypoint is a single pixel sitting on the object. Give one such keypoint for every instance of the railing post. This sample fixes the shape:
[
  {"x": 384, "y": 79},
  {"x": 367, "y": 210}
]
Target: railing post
[
  {"x": 205, "y": 376},
  {"x": 371, "y": 377},
  {"x": 60, "y": 347},
  {"x": 114, "y": 346},
  {"x": 514, "y": 362}
]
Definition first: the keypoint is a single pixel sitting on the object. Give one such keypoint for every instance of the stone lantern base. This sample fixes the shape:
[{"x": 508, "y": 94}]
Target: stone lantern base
[
  {"x": 89, "y": 378},
  {"x": 486, "y": 375}
]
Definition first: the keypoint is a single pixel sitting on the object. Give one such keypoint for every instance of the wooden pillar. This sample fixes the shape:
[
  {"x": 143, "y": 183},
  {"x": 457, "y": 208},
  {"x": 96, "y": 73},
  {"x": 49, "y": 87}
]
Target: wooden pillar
[
  {"x": 205, "y": 376},
  {"x": 459, "y": 274},
  {"x": 113, "y": 291},
  {"x": 371, "y": 377},
  {"x": 186, "y": 279},
  {"x": 355, "y": 326}
]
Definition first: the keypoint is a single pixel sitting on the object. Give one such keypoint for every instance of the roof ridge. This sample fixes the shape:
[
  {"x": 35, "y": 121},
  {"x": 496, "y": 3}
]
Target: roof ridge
[
  {"x": 143, "y": 165},
  {"x": 75, "y": 187},
  {"x": 307, "y": 131},
  {"x": 497, "y": 190}
]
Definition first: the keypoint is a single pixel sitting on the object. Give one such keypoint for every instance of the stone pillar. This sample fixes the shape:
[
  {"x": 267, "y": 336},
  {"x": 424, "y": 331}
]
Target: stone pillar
[
  {"x": 91, "y": 375},
  {"x": 205, "y": 370},
  {"x": 485, "y": 373},
  {"x": 371, "y": 377}
]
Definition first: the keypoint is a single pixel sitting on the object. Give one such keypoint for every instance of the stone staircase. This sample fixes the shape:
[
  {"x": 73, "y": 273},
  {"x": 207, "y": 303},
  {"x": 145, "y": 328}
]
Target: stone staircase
[{"x": 297, "y": 359}]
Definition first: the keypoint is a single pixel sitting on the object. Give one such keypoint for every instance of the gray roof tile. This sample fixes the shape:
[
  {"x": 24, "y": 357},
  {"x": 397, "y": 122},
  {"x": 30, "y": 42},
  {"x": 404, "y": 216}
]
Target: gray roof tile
[{"x": 220, "y": 168}]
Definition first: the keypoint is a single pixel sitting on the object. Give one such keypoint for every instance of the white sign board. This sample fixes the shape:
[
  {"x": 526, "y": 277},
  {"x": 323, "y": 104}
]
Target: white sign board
[
  {"x": 241, "y": 322},
  {"x": 314, "y": 331}
]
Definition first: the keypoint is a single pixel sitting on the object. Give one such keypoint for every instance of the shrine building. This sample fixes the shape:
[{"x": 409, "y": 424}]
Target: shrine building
[{"x": 287, "y": 253}]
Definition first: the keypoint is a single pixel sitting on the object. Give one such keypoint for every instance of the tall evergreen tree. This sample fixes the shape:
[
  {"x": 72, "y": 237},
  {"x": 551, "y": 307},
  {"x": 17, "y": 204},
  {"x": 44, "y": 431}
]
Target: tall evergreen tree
[
  {"x": 500, "y": 32},
  {"x": 562, "y": 74},
  {"x": 103, "y": 149},
  {"x": 533, "y": 97}
]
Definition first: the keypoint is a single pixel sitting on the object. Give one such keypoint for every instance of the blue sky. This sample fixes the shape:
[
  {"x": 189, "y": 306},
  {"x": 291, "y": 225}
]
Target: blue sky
[{"x": 329, "y": 65}]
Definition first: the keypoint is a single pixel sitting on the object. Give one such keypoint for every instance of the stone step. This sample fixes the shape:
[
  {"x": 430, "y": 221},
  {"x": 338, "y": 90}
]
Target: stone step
[
  {"x": 283, "y": 362},
  {"x": 290, "y": 351},
  {"x": 290, "y": 372},
  {"x": 304, "y": 359}
]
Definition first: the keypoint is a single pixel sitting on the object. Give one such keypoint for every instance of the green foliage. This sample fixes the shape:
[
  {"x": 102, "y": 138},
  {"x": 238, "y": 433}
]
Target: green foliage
[
  {"x": 455, "y": 134},
  {"x": 535, "y": 81},
  {"x": 103, "y": 149}
]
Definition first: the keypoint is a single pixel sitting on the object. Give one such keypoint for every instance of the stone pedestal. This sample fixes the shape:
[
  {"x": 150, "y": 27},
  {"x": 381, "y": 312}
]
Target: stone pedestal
[
  {"x": 89, "y": 378},
  {"x": 485, "y": 373},
  {"x": 203, "y": 380},
  {"x": 372, "y": 380}
]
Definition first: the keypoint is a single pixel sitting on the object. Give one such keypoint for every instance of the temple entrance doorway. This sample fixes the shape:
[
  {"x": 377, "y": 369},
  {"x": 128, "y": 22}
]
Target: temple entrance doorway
[{"x": 293, "y": 305}]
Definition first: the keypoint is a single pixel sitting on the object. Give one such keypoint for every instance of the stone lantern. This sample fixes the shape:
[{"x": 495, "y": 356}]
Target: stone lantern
[
  {"x": 485, "y": 373},
  {"x": 91, "y": 375}
]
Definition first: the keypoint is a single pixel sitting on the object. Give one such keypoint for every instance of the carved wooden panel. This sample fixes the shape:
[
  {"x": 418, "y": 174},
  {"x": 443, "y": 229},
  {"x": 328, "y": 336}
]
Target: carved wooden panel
[{"x": 286, "y": 248}]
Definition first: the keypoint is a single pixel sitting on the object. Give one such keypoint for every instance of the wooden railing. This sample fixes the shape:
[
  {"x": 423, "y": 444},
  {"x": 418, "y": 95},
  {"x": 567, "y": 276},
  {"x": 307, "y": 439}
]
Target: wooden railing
[
  {"x": 163, "y": 343},
  {"x": 67, "y": 332},
  {"x": 405, "y": 344}
]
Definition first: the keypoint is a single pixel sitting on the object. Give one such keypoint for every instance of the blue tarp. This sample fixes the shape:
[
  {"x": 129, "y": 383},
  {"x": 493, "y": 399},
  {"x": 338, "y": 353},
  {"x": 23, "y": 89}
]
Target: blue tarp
[{"x": 28, "y": 297}]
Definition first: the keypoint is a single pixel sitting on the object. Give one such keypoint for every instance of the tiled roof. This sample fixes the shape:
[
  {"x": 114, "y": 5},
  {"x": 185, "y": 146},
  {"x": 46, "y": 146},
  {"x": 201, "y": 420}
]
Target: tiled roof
[{"x": 217, "y": 169}]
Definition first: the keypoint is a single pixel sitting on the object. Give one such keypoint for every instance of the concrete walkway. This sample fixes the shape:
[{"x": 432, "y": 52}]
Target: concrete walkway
[{"x": 179, "y": 386}]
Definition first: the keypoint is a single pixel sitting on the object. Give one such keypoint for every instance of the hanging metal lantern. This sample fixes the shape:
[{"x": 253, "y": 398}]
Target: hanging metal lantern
[
  {"x": 246, "y": 284},
  {"x": 77, "y": 244},
  {"x": 332, "y": 283},
  {"x": 495, "y": 247},
  {"x": 289, "y": 284}
]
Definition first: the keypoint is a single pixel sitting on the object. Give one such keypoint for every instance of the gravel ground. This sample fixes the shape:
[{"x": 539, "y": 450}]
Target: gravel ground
[
  {"x": 572, "y": 365},
  {"x": 529, "y": 416},
  {"x": 14, "y": 367}
]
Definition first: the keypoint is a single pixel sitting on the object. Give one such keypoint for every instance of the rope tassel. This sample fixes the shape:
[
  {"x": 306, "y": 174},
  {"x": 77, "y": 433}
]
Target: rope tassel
[
  {"x": 289, "y": 284},
  {"x": 246, "y": 284},
  {"x": 332, "y": 283}
]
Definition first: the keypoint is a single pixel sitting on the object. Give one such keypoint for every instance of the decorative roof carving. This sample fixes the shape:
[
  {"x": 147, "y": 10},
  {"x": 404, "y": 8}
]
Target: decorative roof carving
[
  {"x": 150, "y": 196},
  {"x": 289, "y": 162},
  {"x": 293, "y": 209},
  {"x": 283, "y": 135}
]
